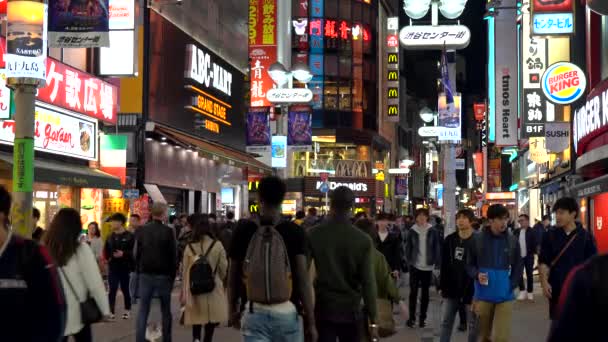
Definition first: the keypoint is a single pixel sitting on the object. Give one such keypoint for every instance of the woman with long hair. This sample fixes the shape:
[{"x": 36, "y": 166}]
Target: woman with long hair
[
  {"x": 209, "y": 309},
  {"x": 78, "y": 270},
  {"x": 94, "y": 240}
]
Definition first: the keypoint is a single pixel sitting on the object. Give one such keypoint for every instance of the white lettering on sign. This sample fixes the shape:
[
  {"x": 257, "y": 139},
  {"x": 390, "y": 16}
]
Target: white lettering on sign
[
  {"x": 362, "y": 187},
  {"x": 450, "y": 37},
  {"x": 201, "y": 68},
  {"x": 296, "y": 95},
  {"x": 590, "y": 118}
]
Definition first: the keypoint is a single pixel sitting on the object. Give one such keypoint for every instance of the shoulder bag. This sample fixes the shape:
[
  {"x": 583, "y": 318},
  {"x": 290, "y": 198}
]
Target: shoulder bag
[
  {"x": 89, "y": 310},
  {"x": 564, "y": 249}
]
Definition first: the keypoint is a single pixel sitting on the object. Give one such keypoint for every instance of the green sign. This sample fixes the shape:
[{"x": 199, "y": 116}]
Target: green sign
[{"x": 23, "y": 165}]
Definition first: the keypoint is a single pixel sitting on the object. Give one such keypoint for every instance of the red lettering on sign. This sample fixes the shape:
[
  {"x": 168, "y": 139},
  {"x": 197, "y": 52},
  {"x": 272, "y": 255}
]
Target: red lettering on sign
[{"x": 59, "y": 135}]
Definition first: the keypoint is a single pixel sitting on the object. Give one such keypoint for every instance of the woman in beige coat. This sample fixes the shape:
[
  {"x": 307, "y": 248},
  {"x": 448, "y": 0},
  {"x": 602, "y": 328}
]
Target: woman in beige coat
[{"x": 208, "y": 309}]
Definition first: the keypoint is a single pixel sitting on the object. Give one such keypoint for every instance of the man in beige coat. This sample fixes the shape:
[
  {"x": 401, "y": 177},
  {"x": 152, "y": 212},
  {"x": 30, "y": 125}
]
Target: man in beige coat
[{"x": 210, "y": 309}]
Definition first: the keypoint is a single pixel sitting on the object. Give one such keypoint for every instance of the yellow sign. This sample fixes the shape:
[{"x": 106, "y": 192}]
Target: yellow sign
[
  {"x": 538, "y": 151},
  {"x": 393, "y": 58},
  {"x": 392, "y": 75},
  {"x": 393, "y": 110},
  {"x": 215, "y": 110},
  {"x": 393, "y": 93}
]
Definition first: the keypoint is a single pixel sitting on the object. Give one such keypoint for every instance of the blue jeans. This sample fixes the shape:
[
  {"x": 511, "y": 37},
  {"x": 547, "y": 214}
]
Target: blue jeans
[
  {"x": 450, "y": 309},
  {"x": 149, "y": 287},
  {"x": 264, "y": 325}
]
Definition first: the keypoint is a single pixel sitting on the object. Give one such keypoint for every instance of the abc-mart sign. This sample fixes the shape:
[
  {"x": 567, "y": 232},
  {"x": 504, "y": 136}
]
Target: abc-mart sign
[
  {"x": 563, "y": 83},
  {"x": 450, "y": 37}
]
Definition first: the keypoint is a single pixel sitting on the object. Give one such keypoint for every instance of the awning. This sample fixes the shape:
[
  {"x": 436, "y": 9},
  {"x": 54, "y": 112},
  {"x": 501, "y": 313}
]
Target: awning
[
  {"x": 592, "y": 187},
  {"x": 155, "y": 193},
  {"x": 47, "y": 171},
  {"x": 216, "y": 152}
]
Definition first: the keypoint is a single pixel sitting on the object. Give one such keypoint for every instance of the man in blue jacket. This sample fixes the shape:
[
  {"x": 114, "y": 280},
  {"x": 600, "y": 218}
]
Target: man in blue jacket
[{"x": 496, "y": 266}]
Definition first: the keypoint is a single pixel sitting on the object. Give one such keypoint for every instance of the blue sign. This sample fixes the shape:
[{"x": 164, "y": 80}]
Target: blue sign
[
  {"x": 316, "y": 9},
  {"x": 130, "y": 193},
  {"x": 324, "y": 188},
  {"x": 553, "y": 23},
  {"x": 279, "y": 151}
]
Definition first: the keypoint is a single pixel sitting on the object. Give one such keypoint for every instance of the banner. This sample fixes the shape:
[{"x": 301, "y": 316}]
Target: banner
[
  {"x": 279, "y": 151},
  {"x": 79, "y": 24},
  {"x": 507, "y": 75},
  {"x": 299, "y": 128},
  {"x": 392, "y": 72},
  {"x": 26, "y": 40},
  {"x": 262, "y": 48},
  {"x": 401, "y": 187},
  {"x": 448, "y": 119},
  {"x": 558, "y": 136},
  {"x": 113, "y": 155},
  {"x": 258, "y": 130},
  {"x": 494, "y": 176}
]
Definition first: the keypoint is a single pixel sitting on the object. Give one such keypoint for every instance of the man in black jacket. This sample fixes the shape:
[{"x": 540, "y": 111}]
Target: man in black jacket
[
  {"x": 389, "y": 244},
  {"x": 119, "y": 253},
  {"x": 455, "y": 284},
  {"x": 156, "y": 259},
  {"x": 529, "y": 246}
]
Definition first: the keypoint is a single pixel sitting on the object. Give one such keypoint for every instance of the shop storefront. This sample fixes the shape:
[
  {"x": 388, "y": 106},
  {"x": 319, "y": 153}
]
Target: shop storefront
[
  {"x": 368, "y": 193},
  {"x": 67, "y": 116},
  {"x": 195, "y": 134}
]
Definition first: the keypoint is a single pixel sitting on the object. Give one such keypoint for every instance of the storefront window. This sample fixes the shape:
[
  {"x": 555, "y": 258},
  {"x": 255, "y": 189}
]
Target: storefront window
[
  {"x": 331, "y": 95},
  {"x": 342, "y": 160},
  {"x": 345, "y": 96}
]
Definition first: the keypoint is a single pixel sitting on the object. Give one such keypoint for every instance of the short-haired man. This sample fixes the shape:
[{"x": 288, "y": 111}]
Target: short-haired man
[
  {"x": 528, "y": 246},
  {"x": 118, "y": 251},
  {"x": 495, "y": 264},
  {"x": 455, "y": 284},
  {"x": 311, "y": 218},
  {"x": 38, "y": 231},
  {"x": 32, "y": 303},
  {"x": 423, "y": 252},
  {"x": 134, "y": 222},
  {"x": 156, "y": 260},
  {"x": 271, "y": 322},
  {"x": 562, "y": 249},
  {"x": 226, "y": 231},
  {"x": 344, "y": 272}
]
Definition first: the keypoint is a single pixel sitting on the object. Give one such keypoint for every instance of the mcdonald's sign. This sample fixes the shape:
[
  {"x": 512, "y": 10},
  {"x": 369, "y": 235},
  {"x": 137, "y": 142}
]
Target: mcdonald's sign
[
  {"x": 393, "y": 110},
  {"x": 393, "y": 93},
  {"x": 392, "y": 75},
  {"x": 393, "y": 58}
]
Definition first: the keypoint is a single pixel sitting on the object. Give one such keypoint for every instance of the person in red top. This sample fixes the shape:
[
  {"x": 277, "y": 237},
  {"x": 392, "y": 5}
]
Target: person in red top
[{"x": 30, "y": 289}]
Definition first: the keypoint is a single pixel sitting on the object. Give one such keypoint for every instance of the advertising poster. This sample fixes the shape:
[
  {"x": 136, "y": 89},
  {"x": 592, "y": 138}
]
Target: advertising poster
[
  {"x": 79, "y": 23},
  {"x": 449, "y": 120},
  {"x": 600, "y": 230},
  {"x": 494, "y": 177},
  {"x": 262, "y": 48},
  {"x": 279, "y": 151},
  {"x": 26, "y": 38},
  {"x": 258, "y": 130},
  {"x": 299, "y": 128},
  {"x": 401, "y": 187},
  {"x": 91, "y": 205}
]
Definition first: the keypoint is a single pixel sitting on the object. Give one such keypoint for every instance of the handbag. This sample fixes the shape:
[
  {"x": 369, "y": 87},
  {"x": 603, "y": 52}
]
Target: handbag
[
  {"x": 385, "y": 321},
  {"x": 89, "y": 310}
]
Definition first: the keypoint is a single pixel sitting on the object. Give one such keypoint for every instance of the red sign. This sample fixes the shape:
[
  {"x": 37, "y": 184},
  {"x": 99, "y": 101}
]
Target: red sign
[
  {"x": 80, "y": 92},
  {"x": 392, "y": 41},
  {"x": 3, "y": 6},
  {"x": 600, "y": 222},
  {"x": 262, "y": 48},
  {"x": 480, "y": 111},
  {"x": 261, "y": 58},
  {"x": 553, "y": 6}
]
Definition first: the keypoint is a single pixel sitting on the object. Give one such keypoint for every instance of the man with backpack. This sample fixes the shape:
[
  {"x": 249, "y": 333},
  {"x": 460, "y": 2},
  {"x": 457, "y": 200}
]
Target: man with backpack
[
  {"x": 562, "y": 249},
  {"x": 31, "y": 295},
  {"x": 344, "y": 273},
  {"x": 495, "y": 264},
  {"x": 268, "y": 257},
  {"x": 226, "y": 231}
]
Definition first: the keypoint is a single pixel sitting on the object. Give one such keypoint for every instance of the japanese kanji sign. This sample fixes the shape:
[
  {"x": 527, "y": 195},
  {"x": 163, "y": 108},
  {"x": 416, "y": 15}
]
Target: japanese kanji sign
[
  {"x": 450, "y": 37},
  {"x": 81, "y": 24},
  {"x": 80, "y": 92},
  {"x": 534, "y": 113},
  {"x": 26, "y": 39},
  {"x": 262, "y": 48},
  {"x": 552, "y": 23}
]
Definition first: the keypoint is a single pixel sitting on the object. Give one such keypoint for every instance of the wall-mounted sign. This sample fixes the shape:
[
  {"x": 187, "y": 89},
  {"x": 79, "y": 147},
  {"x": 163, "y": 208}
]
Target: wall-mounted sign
[
  {"x": 295, "y": 95},
  {"x": 258, "y": 129},
  {"x": 3, "y": 6},
  {"x": 534, "y": 54},
  {"x": 279, "y": 151},
  {"x": 535, "y": 107},
  {"x": 82, "y": 24},
  {"x": 449, "y": 37},
  {"x": 480, "y": 111},
  {"x": 26, "y": 39},
  {"x": 333, "y": 29},
  {"x": 563, "y": 83},
  {"x": 557, "y": 135},
  {"x": 211, "y": 108},
  {"x": 122, "y": 15},
  {"x": 500, "y": 196},
  {"x": 262, "y": 48},
  {"x": 122, "y": 43},
  {"x": 538, "y": 150},
  {"x": 58, "y": 132},
  {"x": 392, "y": 73},
  {"x": 552, "y": 5},
  {"x": 550, "y": 24},
  {"x": 5, "y": 97},
  {"x": 203, "y": 70},
  {"x": 362, "y": 187},
  {"x": 80, "y": 92},
  {"x": 261, "y": 58},
  {"x": 506, "y": 82},
  {"x": 113, "y": 157},
  {"x": 591, "y": 120},
  {"x": 354, "y": 186},
  {"x": 428, "y": 131},
  {"x": 299, "y": 128},
  {"x": 449, "y": 118}
]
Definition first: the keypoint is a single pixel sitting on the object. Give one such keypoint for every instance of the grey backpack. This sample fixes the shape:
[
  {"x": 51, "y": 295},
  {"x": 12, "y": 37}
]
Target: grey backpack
[{"x": 266, "y": 270}]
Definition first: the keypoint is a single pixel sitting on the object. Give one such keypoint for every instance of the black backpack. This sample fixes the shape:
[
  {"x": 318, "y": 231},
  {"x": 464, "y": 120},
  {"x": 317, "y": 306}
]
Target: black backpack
[{"x": 202, "y": 274}]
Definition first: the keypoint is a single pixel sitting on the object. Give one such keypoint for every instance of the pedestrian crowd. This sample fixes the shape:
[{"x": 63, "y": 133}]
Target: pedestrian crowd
[{"x": 331, "y": 278}]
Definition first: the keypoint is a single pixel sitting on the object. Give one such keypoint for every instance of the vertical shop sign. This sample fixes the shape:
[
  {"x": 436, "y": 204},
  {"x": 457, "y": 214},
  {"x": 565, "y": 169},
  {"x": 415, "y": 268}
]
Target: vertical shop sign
[
  {"x": 262, "y": 48},
  {"x": 299, "y": 128},
  {"x": 392, "y": 73},
  {"x": 113, "y": 155},
  {"x": 316, "y": 9},
  {"x": 600, "y": 222},
  {"x": 494, "y": 177},
  {"x": 79, "y": 24},
  {"x": 449, "y": 120},
  {"x": 557, "y": 135},
  {"x": 26, "y": 39},
  {"x": 535, "y": 107},
  {"x": 258, "y": 130},
  {"x": 23, "y": 170},
  {"x": 507, "y": 75},
  {"x": 538, "y": 150}
]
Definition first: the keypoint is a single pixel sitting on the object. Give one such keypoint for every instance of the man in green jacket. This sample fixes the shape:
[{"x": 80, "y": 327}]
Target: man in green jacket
[{"x": 343, "y": 260}]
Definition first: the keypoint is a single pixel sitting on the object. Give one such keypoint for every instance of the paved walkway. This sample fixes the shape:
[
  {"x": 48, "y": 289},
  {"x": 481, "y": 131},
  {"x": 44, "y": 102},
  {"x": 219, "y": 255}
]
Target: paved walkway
[{"x": 530, "y": 324}]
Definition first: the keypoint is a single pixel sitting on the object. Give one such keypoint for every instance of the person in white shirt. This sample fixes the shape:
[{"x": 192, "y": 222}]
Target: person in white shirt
[
  {"x": 78, "y": 271},
  {"x": 529, "y": 247},
  {"x": 94, "y": 240}
]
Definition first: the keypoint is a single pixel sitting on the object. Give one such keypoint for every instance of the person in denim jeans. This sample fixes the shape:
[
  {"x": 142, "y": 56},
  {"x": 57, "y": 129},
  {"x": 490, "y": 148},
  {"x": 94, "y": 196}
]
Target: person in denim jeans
[
  {"x": 455, "y": 284},
  {"x": 156, "y": 259}
]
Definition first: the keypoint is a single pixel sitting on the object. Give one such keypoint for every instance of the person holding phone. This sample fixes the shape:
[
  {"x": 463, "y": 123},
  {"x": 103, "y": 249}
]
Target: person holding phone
[{"x": 496, "y": 265}]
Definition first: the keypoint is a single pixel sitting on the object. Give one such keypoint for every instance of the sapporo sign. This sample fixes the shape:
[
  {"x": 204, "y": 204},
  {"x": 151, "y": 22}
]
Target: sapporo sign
[{"x": 58, "y": 132}]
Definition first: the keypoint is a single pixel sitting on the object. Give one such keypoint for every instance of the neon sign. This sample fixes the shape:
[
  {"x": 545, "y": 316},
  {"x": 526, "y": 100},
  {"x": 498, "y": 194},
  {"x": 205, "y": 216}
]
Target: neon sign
[{"x": 335, "y": 29}]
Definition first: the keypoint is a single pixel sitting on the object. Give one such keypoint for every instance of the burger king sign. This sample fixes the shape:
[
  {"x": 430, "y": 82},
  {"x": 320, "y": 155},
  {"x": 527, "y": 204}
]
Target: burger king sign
[{"x": 563, "y": 83}]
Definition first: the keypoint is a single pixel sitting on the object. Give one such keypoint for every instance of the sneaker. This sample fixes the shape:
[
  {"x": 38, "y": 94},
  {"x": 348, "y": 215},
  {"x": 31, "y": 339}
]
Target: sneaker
[
  {"x": 126, "y": 315},
  {"x": 410, "y": 323},
  {"x": 530, "y": 296},
  {"x": 422, "y": 324},
  {"x": 522, "y": 295},
  {"x": 112, "y": 317}
]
